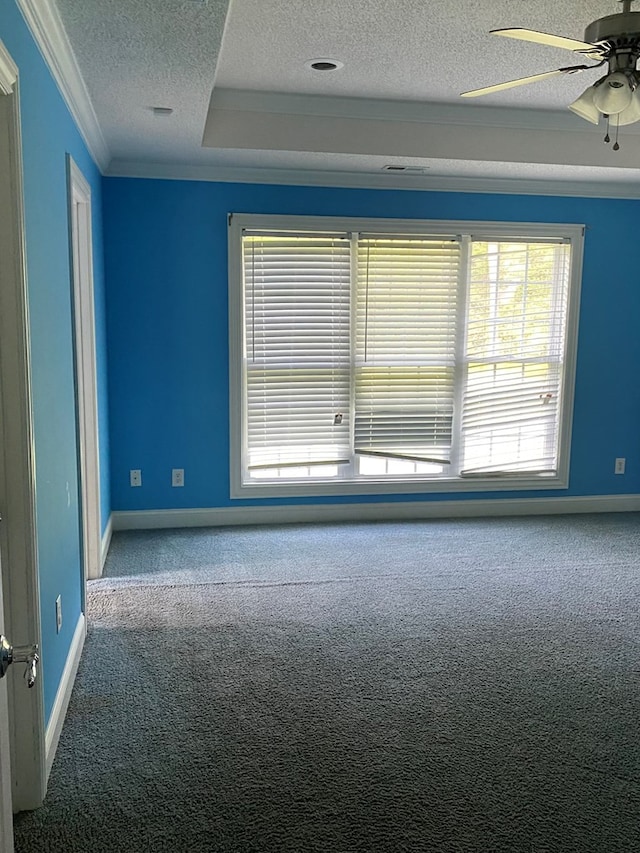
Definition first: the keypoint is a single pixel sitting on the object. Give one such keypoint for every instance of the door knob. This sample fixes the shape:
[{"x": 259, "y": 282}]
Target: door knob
[{"x": 19, "y": 654}]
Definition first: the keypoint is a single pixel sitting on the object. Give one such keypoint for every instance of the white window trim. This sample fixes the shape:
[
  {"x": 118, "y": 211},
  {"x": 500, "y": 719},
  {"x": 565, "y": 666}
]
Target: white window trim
[{"x": 481, "y": 229}]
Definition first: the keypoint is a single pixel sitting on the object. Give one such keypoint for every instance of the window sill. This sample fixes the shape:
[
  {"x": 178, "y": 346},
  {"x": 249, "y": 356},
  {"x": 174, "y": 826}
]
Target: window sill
[{"x": 388, "y": 486}]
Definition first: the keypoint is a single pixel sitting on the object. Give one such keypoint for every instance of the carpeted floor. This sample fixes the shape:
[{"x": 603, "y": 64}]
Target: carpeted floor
[{"x": 456, "y": 686}]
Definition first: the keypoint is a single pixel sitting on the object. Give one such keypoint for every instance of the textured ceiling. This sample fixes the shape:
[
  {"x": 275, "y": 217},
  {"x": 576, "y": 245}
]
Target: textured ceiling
[
  {"x": 410, "y": 49},
  {"x": 136, "y": 54}
]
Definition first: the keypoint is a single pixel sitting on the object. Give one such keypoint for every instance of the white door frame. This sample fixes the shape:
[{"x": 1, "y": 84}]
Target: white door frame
[
  {"x": 18, "y": 548},
  {"x": 6, "y": 802},
  {"x": 79, "y": 193}
]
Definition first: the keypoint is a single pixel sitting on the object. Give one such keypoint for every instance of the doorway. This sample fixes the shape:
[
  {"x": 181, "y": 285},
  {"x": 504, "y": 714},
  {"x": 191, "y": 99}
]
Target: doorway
[{"x": 85, "y": 368}]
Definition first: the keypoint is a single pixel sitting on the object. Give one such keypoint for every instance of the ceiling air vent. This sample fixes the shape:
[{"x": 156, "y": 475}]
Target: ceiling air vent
[
  {"x": 408, "y": 170},
  {"x": 324, "y": 64}
]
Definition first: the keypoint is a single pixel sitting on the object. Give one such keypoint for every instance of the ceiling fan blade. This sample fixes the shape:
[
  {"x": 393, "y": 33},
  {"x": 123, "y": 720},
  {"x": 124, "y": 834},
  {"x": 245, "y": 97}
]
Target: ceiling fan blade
[
  {"x": 511, "y": 84},
  {"x": 551, "y": 40}
]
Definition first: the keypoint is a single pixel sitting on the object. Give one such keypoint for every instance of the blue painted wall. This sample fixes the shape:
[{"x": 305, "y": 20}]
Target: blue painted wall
[
  {"x": 48, "y": 134},
  {"x": 166, "y": 268}
]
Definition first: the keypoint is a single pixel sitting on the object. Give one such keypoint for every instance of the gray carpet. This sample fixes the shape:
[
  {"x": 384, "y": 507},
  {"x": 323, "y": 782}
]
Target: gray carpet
[{"x": 443, "y": 686}]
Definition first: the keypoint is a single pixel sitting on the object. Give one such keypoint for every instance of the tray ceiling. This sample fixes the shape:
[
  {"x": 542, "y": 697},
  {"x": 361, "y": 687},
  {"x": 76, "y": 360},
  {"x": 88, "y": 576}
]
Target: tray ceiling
[{"x": 395, "y": 100}]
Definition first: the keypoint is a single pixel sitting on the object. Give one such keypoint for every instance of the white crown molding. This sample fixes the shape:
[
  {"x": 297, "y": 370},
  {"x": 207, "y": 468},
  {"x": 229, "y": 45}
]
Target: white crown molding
[
  {"x": 401, "y": 511},
  {"x": 8, "y": 71},
  {"x": 46, "y": 27},
  {"x": 374, "y": 180}
]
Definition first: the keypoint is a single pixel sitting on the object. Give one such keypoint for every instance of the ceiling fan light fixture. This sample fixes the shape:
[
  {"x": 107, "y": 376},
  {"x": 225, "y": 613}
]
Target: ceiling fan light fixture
[
  {"x": 585, "y": 107},
  {"x": 614, "y": 94},
  {"x": 631, "y": 114}
]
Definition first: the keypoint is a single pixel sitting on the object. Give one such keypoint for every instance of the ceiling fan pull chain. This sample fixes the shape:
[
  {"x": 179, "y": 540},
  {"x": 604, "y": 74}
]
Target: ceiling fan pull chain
[
  {"x": 607, "y": 138},
  {"x": 616, "y": 147}
]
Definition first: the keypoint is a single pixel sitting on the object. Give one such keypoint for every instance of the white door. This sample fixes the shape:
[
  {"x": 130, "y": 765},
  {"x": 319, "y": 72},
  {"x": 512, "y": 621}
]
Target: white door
[
  {"x": 85, "y": 357},
  {"x": 22, "y": 730},
  {"x": 10, "y": 657}
]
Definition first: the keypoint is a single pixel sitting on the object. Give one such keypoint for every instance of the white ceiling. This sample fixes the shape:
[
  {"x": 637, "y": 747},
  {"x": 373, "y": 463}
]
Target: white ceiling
[{"x": 396, "y": 100}]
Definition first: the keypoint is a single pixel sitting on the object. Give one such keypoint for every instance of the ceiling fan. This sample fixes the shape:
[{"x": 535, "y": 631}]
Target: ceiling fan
[{"x": 614, "y": 40}]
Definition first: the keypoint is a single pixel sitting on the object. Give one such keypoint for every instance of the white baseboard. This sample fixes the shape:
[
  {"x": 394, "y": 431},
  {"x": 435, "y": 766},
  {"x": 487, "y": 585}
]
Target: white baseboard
[
  {"x": 106, "y": 541},
  {"x": 401, "y": 511},
  {"x": 61, "y": 703}
]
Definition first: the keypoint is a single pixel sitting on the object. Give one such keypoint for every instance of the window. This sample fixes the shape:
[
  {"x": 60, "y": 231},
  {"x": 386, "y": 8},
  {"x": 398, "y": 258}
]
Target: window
[{"x": 386, "y": 355}]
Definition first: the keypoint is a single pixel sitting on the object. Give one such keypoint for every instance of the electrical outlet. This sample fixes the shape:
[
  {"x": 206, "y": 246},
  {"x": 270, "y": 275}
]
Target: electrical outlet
[
  {"x": 620, "y": 465},
  {"x": 135, "y": 477},
  {"x": 58, "y": 613},
  {"x": 177, "y": 477}
]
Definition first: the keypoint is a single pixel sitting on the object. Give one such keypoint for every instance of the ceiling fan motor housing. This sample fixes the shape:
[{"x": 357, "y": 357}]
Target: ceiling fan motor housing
[{"x": 621, "y": 35}]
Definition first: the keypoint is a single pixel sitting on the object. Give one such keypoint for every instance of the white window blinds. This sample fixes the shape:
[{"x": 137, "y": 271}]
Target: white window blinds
[
  {"x": 515, "y": 344},
  {"x": 405, "y": 346},
  {"x": 297, "y": 349}
]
